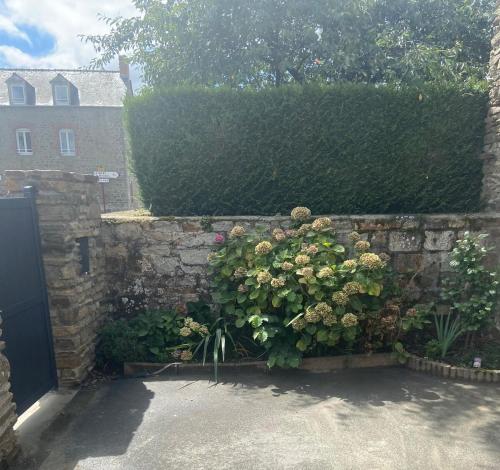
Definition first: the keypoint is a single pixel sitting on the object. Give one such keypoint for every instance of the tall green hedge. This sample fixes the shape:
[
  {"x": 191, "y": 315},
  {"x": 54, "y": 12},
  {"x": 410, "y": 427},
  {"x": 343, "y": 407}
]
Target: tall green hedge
[{"x": 336, "y": 149}]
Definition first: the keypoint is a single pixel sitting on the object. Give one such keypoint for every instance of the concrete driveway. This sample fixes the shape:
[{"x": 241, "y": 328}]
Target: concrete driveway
[{"x": 355, "y": 419}]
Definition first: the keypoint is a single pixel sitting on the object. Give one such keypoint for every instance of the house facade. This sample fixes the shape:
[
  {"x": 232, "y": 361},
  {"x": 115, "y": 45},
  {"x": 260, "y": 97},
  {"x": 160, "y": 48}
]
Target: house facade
[{"x": 70, "y": 120}]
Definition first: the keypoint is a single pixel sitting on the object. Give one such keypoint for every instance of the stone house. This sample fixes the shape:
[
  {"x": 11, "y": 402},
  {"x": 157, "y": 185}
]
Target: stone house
[{"x": 70, "y": 120}]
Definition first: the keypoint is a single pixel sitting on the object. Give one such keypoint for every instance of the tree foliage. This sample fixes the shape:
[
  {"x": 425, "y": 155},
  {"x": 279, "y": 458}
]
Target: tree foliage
[{"x": 271, "y": 42}]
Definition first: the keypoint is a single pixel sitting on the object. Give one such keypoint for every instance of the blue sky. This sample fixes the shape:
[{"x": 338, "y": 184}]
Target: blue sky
[
  {"x": 44, "y": 33},
  {"x": 35, "y": 42}
]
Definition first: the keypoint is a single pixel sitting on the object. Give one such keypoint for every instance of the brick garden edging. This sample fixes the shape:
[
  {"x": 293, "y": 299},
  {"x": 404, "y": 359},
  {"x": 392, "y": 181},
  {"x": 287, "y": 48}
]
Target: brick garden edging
[{"x": 451, "y": 372}]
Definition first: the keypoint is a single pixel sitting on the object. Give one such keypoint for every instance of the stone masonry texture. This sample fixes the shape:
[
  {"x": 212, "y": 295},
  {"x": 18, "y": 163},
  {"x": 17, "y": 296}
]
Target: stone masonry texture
[
  {"x": 8, "y": 444},
  {"x": 68, "y": 210},
  {"x": 160, "y": 262},
  {"x": 491, "y": 151}
]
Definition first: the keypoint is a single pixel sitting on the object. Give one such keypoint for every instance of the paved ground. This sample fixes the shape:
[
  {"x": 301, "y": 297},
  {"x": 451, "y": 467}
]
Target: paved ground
[{"x": 355, "y": 419}]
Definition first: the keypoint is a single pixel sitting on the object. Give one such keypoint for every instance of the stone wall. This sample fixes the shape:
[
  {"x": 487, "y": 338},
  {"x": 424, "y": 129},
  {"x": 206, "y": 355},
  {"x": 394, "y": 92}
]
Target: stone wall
[
  {"x": 155, "y": 262},
  {"x": 8, "y": 444},
  {"x": 69, "y": 213},
  {"x": 491, "y": 152}
]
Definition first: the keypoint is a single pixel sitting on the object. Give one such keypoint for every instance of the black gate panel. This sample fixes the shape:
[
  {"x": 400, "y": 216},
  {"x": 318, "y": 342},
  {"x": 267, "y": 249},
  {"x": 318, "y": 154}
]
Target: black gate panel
[{"x": 23, "y": 303}]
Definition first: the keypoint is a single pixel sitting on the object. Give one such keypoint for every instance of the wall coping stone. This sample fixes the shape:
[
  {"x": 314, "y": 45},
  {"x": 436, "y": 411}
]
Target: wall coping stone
[
  {"x": 50, "y": 175},
  {"x": 127, "y": 216}
]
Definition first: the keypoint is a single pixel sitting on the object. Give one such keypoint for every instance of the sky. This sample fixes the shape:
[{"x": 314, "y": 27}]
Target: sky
[{"x": 44, "y": 33}]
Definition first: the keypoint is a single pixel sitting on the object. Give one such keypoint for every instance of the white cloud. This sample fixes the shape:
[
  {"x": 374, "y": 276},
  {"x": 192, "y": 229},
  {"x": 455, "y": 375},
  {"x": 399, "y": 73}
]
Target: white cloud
[
  {"x": 9, "y": 27},
  {"x": 64, "y": 20}
]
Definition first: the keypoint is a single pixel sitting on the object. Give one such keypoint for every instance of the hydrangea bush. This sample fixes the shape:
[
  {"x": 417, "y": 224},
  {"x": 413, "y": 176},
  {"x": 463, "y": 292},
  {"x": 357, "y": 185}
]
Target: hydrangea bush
[{"x": 302, "y": 292}]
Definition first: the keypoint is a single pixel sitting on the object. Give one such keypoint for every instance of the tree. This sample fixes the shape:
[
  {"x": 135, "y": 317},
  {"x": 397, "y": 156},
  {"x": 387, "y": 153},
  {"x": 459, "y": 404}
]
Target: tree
[{"x": 272, "y": 42}]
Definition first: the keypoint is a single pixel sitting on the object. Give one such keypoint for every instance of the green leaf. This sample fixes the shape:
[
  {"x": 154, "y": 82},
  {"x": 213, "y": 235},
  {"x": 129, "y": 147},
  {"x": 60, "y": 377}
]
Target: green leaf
[
  {"x": 230, "y": 309},
  {"x": 226, "y": 271},
  {"x": 254, "y": 294},
  {"x": 240, "y": 322},
  {"x": 284, "y": 293},
  {"x": 271, "y": 362},
  {"x": 216, "y": 353},
  {"x": 295, "y": 318},
  {"x": 311, "y": 329},
  {"x": 322, "y": 335},
  {"x": 374, "y": 289},
  {"x": 254, "y": 310},
  {"x": 294, "y": 361},
  {"x": 356, "y": 304},
  {"x": 205, "y": 348},
  {"x": 255, "y": 321},
  {"x": 301, "y": 345},
  {"x": 276, "y": 301}
]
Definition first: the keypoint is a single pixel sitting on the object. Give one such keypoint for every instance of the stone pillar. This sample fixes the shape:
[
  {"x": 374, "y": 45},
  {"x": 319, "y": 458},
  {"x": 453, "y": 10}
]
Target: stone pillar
[
  {"x": 69, "y": 221},
  {"x": 8, "y": 443},
  {"x": 491, "y": 151}
]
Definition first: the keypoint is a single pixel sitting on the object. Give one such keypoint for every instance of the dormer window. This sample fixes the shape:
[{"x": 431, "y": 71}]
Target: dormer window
[
  {"x": 20, "y": 91},
  {"x": 61, "y": 95},
  {"x": 64, "y": 93},
  {"x": 18, "y": 94}
]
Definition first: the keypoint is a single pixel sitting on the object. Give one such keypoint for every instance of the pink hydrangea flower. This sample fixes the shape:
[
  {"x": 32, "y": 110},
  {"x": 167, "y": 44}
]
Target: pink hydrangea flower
[{"x": 219, "y": 238}]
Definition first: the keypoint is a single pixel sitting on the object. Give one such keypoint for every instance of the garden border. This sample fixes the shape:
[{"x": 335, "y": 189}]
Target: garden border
[
  {"x": 331, "y": 363},
  {"x": 447, "y": 371},
  {"x": 311, "y": 364}
]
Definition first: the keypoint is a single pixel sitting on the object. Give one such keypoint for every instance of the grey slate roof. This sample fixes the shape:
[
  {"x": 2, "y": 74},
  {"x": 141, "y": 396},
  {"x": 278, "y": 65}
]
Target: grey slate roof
[{"x": 95, "y": 88}]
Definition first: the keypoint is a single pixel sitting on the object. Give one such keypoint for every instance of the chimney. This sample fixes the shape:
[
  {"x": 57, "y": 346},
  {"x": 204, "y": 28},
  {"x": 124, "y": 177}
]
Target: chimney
[
  {"x": 123, "y": 64},
  {"x": 124, "y": 68}
]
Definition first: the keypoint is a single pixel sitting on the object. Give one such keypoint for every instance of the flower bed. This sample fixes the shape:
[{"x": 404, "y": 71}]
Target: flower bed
[{"x": 296, "y": 294}]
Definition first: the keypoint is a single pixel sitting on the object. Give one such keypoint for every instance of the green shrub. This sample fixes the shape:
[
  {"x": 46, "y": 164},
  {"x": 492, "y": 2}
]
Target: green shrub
[
  {"x": 167, "y": 336},
  {"x": 338, "y": 149},
  {"x": 472, "y": 290},
  {"x": 303, "y": 293},
  {"x": 147, "y": 337}
]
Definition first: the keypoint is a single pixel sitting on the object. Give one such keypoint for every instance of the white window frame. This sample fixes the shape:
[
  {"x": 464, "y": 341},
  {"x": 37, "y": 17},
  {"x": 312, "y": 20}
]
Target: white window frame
[
  {"x": 25, "y": 150},
  {"x": 57, "y": 100},
  {"x": 64, "y": 137},
  {"x": 22, "y": 87}
]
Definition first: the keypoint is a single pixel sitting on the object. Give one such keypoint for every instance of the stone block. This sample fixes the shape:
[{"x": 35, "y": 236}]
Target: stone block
[
  {"x": 378, "y": 241},
  {"x": 439, "y": 240},
  {"x": 192, "y": 226},
  {"x": 164, "y": 224},
  {"x": 405, "y": 241},
  {"x": 198, "y": 239},
  {"x": 194, "y": 256},
  {"x": 407, "y": 262},
  {"x": 223, "y": 225},
  {"x": 128, "y": 230}
]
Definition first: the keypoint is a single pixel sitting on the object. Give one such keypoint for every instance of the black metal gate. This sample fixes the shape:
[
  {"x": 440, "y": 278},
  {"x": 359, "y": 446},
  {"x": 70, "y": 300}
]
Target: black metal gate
[{"x": 23, "y": 302}]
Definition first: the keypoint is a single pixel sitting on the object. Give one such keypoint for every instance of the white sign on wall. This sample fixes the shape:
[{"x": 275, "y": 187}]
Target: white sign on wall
[{"x": 106, "y": 174}]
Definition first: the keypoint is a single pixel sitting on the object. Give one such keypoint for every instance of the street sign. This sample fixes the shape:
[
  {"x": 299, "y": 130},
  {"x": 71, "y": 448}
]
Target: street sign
[
  {"x": 106, "y": 175},
  {"x": 103, "y": 180}
]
